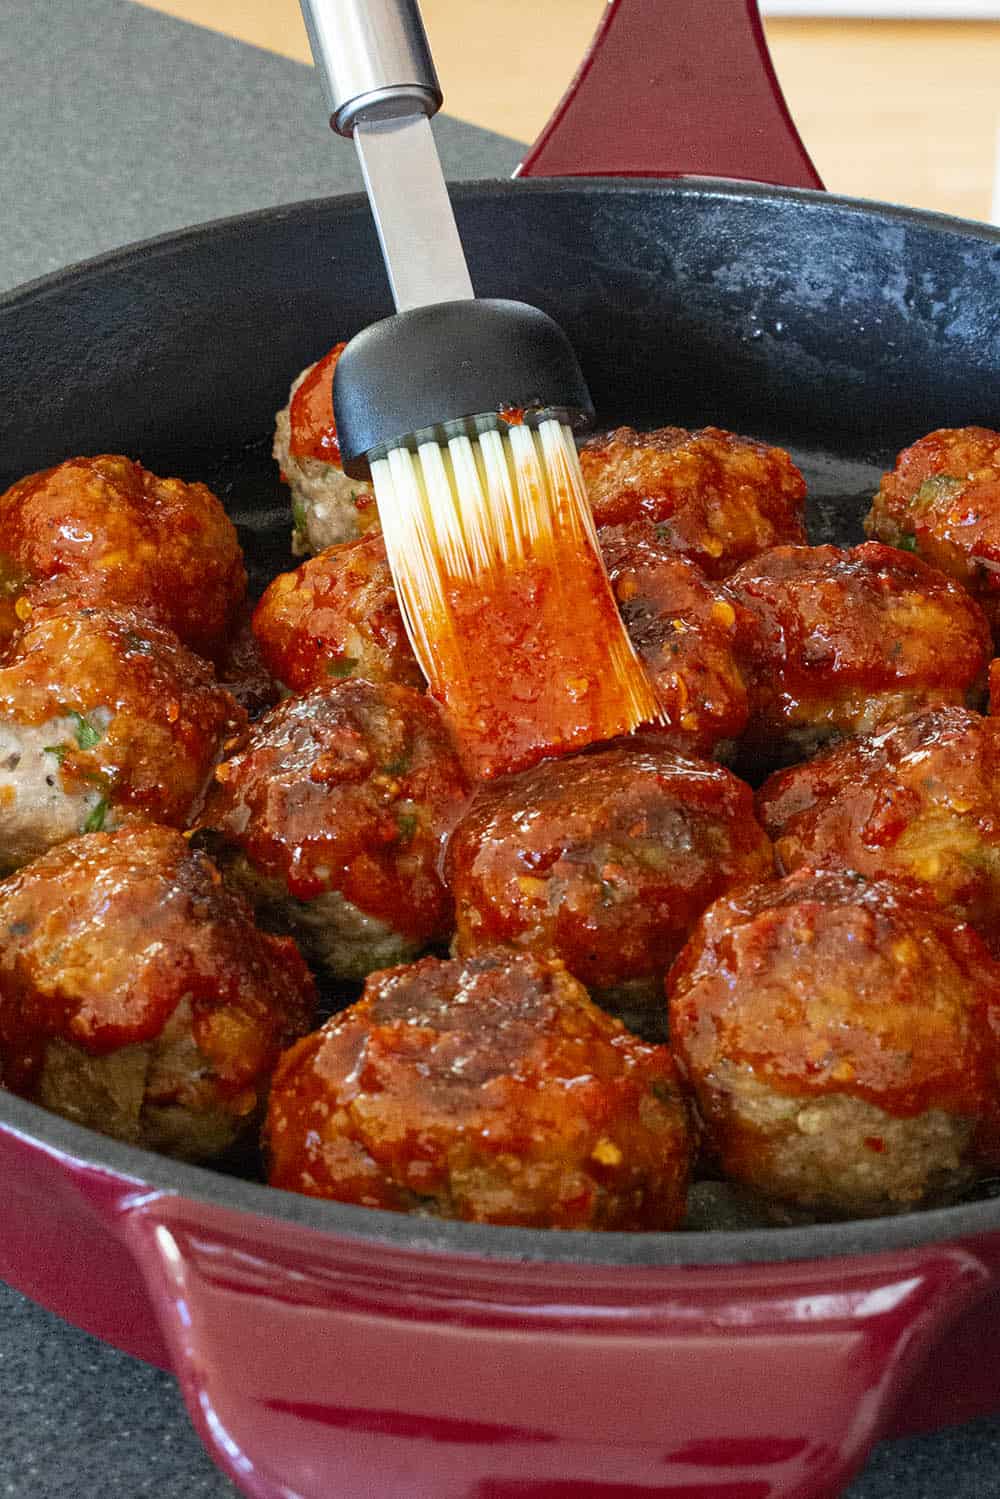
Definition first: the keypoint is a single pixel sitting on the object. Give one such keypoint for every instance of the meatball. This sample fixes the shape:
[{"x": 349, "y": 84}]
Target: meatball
[
  {"x": 490, "y": 1090},
  {"x": 839, "y": 1038},
  {"x": 102, "y": 712},
  {"x": 918, "y": 804},
  {"x": 106, "y": 531},
  {"x": 686, "y": 635},
  {"x": 605, "y": 861},
  {"x": 137, "y": 996},
  {"x": 327, "y": 506},
  {"x": 942, "y": 500},
  {"x": 336, "y": 616},
  {"x": 713, "y": 496},
  {"x": 847, "y": 640},
  {"x": 331, "y": 813}
]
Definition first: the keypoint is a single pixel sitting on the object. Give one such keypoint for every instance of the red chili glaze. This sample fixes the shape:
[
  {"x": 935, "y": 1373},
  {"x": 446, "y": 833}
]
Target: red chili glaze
[
  {"x": 351, "y": 788},
  {"x": 713, "y": 496},
  {"x": 335, "y": 617},
  {"x": 105, "y": 937},
  {"x": 847, "y": 640},
  {"x": 313, "y": 429},
  {"x": 686, "y": 634},
  {"x": 994, "y": 679},
  {"x": 490, "y": 1090},
  {"x": 795, "y": 1006},
  {"x": 106, "y": 531},
  {"x": 942, "y": 500},
  {"x": 918, "y": 803},
  {"x": 603, "y": 860}
]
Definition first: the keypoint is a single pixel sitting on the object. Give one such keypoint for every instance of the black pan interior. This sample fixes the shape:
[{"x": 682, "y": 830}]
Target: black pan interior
[{"x": 840, "y": 330}]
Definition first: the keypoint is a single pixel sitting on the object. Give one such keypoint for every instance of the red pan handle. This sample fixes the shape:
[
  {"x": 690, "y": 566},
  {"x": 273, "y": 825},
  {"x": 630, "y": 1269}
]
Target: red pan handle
[{"x": 674, "y": 88}]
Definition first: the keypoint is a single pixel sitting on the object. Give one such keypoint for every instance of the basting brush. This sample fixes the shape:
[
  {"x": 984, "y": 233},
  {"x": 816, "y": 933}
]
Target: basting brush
[{"x": 462, "y": 411}]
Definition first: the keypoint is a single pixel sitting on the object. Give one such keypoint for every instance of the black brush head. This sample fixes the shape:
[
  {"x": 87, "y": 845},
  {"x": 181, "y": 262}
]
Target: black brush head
[{"x": 420, "y": 370}]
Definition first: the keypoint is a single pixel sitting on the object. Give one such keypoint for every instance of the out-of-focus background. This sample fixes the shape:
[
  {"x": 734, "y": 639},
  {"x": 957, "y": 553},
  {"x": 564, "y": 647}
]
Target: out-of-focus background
[{"x": 894, "y": 99}]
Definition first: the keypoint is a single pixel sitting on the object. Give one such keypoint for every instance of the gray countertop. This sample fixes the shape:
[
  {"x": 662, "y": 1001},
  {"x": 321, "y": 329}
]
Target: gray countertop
[{"x": 117, "y": 124}]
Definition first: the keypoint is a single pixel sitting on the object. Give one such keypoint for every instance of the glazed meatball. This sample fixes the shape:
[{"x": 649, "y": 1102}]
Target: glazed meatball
[
  {"x": 336, "y": 616},
  {"x": 838, "y": 1036},
  {"x": 918, "y": 804},
  {"x": 102, "y": 712},
  {"x": 327, "y": 506},
  {"x": 686, "y": 635},
  {"x": 136, "y": 995},
  {"x": 605, "y": 861},
  {"x": 847, "y": 640},
  {"x": 490, "y": 1090},
  {"x": 942, "y": 500},
  {"x": 712, "y": 496},
  {"x": 106, "y": 531},
  {"x": 330, "y": 814}
]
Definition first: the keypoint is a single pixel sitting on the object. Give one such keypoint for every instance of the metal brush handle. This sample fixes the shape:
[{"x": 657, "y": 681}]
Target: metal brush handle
[{"x": 373, "y": 58}]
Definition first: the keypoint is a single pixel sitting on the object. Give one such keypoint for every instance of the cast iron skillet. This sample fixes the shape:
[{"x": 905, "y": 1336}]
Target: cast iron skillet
[{"x": 325, "y": 1349}]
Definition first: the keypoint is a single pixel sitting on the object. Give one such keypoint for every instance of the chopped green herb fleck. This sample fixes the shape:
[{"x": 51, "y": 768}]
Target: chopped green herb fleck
[
  {"x": 342, "y": 667},
  {"x": 397, "y": 767},
  {"x": 95, "y": 819},
  {"x": 907, "y": 543},
  {"x": 299, "y": 519},
  {"x": 59, "y": 750},
  {"x": 408, "y": 823},
  {"x": 939, "y": 487},
  {"x": 86, "y": 735}
]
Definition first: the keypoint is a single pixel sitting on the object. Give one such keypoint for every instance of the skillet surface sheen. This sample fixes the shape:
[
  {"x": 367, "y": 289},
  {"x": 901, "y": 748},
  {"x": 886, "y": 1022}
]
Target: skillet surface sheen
[{"x": 842, "y": 330}]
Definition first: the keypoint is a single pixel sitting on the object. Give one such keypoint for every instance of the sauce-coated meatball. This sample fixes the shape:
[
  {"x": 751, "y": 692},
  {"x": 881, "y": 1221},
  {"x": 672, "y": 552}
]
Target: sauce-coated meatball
[
  {"x": 942, "y": 500},
  {"x": 102, "y": 712},
  {"x": 847, "y": 640},
  {"x": 490, "y": 1090},
  {"x": 331, "y": 813},
  {"x": 918, "y": 803},
  {"x": 686, "y": 635},
  {"x": 605, "y": 861},
  {"x": 106, "y": 531},
  {"x": 137, "y": 996},
  {"x": 839, "y": 1037},
  {"x": 713, "y": 496},
  {"x": 327, "y": 506},
  {"x": 336, "y": 616}
]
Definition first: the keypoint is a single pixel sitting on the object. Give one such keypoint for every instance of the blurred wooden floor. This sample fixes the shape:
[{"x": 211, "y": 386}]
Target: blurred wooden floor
[{"x": 903, "y": 111}]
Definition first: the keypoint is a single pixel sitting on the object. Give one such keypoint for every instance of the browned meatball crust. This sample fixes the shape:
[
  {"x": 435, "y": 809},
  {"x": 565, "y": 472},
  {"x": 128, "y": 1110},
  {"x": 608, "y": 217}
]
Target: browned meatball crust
[
  {"x": 942, "y": 500},
  {"x": 136, "y": 995},
  {"x": 840, "y": 1040},
  {"x": 490, "y": 1090},
  {"x": 605, "y": 861},
  {"x": 847, "y": 640},
  {"x": 106, "y": 531},
  {"x": 713, "y": 496},
  {"x": 333, "y": 808}
]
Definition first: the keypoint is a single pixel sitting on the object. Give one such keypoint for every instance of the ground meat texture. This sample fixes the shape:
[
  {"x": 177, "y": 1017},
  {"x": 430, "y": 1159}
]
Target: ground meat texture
[
  {"x": 604, "y": 861},
  {"x": 942, "y": 500},
  {"x": 686, "y": 635},
  {"x": 137, "y": 996},
  {"x": 490, "y": 1090},
  {"x": 336, "y": 616},
  {"x": 713, "y": 496},
  {"x": 847, "y": 640},
  {"x": 106, "y": 531},
  {"x": 839, "y": 1037},
  {"x": 331, "y": 813},
  {"x": 327, "y": 506},
  {"x": 918, "y": 804}
]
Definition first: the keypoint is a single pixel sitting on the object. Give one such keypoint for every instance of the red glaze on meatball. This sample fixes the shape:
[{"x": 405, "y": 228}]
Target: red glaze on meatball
[
  {"x": 847, "y": 640},
  {"x": 839, "y": 1038},
  {"x": 713, "y": 496},
  {"x": 344, "y": 797},
  {"x": 137, "y": 996},
  {"x": 336, "y": 616},
  {"x": 605, "y": 861},
  {"x": 942, "y": 500},
  {"x": 106, "y": 531},
  {"x": 918, "y": 804},
  {"x": 490, "y": 1090},
  {"x": 686, "y": 635}
]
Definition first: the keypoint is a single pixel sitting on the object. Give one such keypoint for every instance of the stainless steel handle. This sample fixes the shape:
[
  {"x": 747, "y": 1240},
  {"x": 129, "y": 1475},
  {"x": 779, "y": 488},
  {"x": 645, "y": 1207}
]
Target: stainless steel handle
[{"x": 373, "y": 58}]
